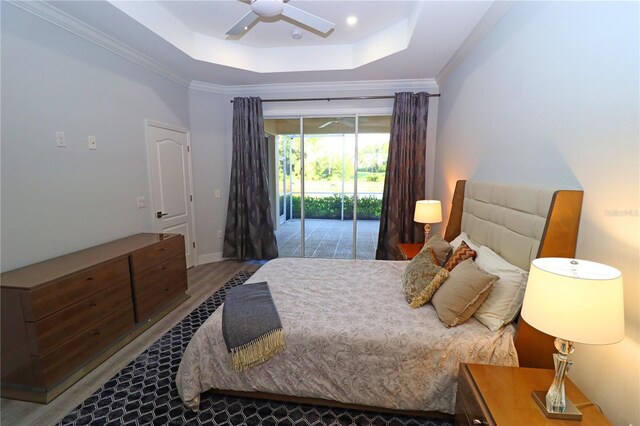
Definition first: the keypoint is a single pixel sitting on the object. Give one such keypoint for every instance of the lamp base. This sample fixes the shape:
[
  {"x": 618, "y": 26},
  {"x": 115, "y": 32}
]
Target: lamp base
[
  {"x": 570, "y": 412},
  {"x": 427, "y": 231}
]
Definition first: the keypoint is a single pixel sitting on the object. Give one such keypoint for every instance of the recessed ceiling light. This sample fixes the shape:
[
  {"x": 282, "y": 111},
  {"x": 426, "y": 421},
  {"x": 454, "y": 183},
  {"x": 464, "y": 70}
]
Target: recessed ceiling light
[
  {"x": 352, "y": 20},
  {"x": 296, "y": 34}
]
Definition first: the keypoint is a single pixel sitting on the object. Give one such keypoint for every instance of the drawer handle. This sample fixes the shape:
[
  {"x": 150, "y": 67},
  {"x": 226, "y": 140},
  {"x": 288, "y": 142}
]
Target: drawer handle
[
  {"x": 162, "y": 249},
  {"x": 89, "y": 278},
  {"x": 93, "y": 304},
  {"x": 479, "y": 422},
  {"x": 164, "y": 268},
  {"x": 95, "y": 332},
  {"x": 166, "y": 289}
]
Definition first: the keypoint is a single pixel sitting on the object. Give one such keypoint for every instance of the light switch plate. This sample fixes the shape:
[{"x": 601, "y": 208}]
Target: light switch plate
[
  {"x": 216, "y": 193},
  {"x": 142, "y": 203},
  {"x": 93, "y": 144},
  {"x": 60, "y": 140}
]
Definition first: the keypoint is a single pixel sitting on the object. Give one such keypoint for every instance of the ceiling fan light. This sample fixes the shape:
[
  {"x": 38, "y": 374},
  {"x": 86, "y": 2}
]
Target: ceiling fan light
[
  {"x": 267, "y": 8},
  {"x": 352, "y": 20}
]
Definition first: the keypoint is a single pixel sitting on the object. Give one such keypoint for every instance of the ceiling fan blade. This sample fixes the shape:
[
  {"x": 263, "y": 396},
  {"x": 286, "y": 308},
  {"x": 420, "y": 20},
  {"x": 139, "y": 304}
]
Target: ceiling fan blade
[
  {"x": 328, "y": 123},
  {"x": 307, "y": 19},
  {"x": 243, "y": 23},
  {"x": 347, "y": 123}
]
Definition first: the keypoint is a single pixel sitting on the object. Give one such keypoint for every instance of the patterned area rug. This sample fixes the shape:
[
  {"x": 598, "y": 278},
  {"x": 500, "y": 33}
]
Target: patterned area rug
[{"x": 144, "y": 392}]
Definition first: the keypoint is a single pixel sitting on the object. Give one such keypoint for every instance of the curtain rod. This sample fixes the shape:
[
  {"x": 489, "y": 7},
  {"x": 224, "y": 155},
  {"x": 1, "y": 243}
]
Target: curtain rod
[{"x": 348, "y": 98}]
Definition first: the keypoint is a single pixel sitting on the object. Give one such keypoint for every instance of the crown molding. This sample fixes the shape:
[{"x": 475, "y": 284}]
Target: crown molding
[
  {"x": 428, "y": 84},
  {"x": 477, "y": 34},
  {"x": 67, "y": 22},
  {"x": 201, "y": 86}
]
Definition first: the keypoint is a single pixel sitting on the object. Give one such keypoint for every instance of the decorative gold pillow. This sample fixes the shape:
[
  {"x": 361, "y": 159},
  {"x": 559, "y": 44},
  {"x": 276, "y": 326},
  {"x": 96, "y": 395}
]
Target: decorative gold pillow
[
  {"x": 421, "y": 278},
  {"x": 463, "y": 293},
  {"x": 462, "y": 253}
]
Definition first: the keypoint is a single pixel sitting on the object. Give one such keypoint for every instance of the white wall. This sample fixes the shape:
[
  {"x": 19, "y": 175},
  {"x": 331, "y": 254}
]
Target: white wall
[
  {"x": 551, "y": 98},
  {"x": 57, "y": 200},
  {"x": 211, "y": 116}
]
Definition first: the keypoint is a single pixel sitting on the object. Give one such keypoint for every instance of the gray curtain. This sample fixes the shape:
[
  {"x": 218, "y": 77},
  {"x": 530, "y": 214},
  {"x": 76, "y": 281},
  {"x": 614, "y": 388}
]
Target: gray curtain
[
  {"x": 405, "y": 176},
  {"x": 249, "y": 231}
]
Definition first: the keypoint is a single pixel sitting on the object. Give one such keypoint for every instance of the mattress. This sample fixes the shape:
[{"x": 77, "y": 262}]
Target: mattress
[{"x": 350, "y": 337}]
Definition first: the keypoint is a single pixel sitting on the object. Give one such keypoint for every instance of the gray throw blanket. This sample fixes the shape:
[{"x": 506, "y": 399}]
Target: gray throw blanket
[{"x": 251, "y": 325}]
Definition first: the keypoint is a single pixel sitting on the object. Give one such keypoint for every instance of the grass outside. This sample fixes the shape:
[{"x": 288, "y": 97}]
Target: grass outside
[{"x": 333, "y": 207}]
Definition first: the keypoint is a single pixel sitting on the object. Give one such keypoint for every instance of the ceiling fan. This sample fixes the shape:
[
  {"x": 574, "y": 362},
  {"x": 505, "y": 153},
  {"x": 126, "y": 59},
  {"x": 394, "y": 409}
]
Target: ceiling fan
[
  {"x": 338, "y": 121},
  {"x": 270, "y": 8},
  {"x": 348, "y": 123}
]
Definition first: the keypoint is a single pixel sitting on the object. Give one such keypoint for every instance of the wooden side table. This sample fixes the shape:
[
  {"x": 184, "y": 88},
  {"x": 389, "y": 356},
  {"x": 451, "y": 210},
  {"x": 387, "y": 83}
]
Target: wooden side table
[
  {"x": 410, "y": 250},
  {"x": 493, "y": 395}
]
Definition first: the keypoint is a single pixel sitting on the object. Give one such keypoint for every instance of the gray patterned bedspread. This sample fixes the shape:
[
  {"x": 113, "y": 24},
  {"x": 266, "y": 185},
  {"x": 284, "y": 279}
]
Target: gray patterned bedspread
[{"x": 351, "y": 337}]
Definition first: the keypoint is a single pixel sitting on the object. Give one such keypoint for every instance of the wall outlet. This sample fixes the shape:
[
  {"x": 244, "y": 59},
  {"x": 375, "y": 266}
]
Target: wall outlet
[
  {"x": 142, "y": 203},
  {"x": 219, "y": 234},
  {"x": 93, "y": 144},
  {"x": 60, "y": 140},
  {"x": 216, "y": 193}
]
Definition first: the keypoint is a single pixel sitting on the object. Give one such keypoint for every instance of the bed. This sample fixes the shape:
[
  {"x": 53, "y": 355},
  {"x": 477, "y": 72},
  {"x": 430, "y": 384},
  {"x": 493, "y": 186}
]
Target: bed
[{"x": 352, "y": 340}]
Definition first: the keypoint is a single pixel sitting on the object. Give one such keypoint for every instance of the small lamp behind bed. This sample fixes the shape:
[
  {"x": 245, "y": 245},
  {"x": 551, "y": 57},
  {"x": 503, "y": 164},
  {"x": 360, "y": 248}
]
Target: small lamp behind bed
[
  {"x": 427, "y": 212},
  {"x": 577, "y": 302}
]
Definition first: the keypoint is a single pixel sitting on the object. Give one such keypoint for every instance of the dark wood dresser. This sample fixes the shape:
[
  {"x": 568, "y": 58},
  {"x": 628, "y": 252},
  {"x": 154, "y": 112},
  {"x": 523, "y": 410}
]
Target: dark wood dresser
[{"x": 62, "y": 317}]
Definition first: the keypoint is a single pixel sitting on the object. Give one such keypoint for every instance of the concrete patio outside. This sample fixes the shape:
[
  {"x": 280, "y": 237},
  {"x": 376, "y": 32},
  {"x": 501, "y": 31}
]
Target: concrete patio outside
[{"x": 328, "y": 238}]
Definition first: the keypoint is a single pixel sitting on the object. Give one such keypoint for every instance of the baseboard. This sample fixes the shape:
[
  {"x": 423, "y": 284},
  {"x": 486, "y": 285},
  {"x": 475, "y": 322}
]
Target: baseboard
[{"x": 210, "y": 258}]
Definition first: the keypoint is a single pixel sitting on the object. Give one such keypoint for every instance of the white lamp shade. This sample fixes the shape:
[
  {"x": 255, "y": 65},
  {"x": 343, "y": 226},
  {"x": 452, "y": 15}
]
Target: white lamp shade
[
  {"x": 581, "y": 302},
  {"x": 428, "y": 211}
]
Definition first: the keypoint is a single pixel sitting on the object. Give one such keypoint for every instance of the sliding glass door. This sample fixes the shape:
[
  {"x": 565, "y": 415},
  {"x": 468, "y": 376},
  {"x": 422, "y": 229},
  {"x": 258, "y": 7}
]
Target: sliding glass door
[
  {"x": 329, "y": 185},
  {"x": 371, "y": 155},
  {"x": 286, "y": 136},
  {"x": 330, "y": 173}
]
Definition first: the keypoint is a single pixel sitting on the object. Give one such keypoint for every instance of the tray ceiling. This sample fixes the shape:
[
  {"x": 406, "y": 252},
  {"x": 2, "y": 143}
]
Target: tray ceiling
[{"x": 392, "y": 40}]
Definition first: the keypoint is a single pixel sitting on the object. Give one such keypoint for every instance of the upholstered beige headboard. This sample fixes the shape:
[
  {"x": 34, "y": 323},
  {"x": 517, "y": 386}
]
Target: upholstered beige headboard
[
  {"x": 508, "y": 219},
  {"x": 520, "y": 224}
]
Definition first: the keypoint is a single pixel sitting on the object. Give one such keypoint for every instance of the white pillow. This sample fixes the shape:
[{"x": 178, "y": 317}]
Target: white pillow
[
  {"x": 505, "y": 299},
  {"x": 455, "y": 243}
]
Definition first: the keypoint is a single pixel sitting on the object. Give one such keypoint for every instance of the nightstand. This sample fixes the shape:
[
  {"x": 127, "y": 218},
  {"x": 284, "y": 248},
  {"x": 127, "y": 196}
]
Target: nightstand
[
  {"x": 493, "y": 395},
  {"x": 409, "y": 250}
]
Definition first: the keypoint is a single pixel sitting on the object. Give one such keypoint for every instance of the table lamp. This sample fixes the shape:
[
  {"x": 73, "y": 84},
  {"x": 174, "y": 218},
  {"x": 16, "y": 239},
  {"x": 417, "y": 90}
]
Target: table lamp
[
  {"x": 427, "y": 212},
  {"x": 576, "y": 301}
]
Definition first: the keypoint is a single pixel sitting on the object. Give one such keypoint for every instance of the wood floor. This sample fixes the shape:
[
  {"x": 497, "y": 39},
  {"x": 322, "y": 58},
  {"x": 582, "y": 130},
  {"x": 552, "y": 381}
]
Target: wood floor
[{"x": 203, "y": 282}]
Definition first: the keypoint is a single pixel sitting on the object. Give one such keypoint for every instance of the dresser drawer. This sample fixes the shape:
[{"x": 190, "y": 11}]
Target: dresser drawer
[
  {"x": 468, "y": 410},
  {"x": 53, "y": 297},
  {"x": 157, "y": 253},
  {"x": 51, "y": 331},
  {"x": 158, "y": 286},
  {"x": 75, "y": 352}
]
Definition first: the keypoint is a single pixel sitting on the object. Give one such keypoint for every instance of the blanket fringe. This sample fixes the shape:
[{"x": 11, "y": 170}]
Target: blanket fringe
[{"x": 258, "y": 350}]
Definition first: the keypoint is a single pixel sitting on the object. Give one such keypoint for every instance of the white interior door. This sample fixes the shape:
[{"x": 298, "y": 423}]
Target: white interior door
[{"x": 170, "y": 169}]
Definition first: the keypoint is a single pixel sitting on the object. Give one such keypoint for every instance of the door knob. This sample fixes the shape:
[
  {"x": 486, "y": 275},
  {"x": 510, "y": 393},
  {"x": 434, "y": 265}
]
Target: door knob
[{"x": 160, "y": 214}]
